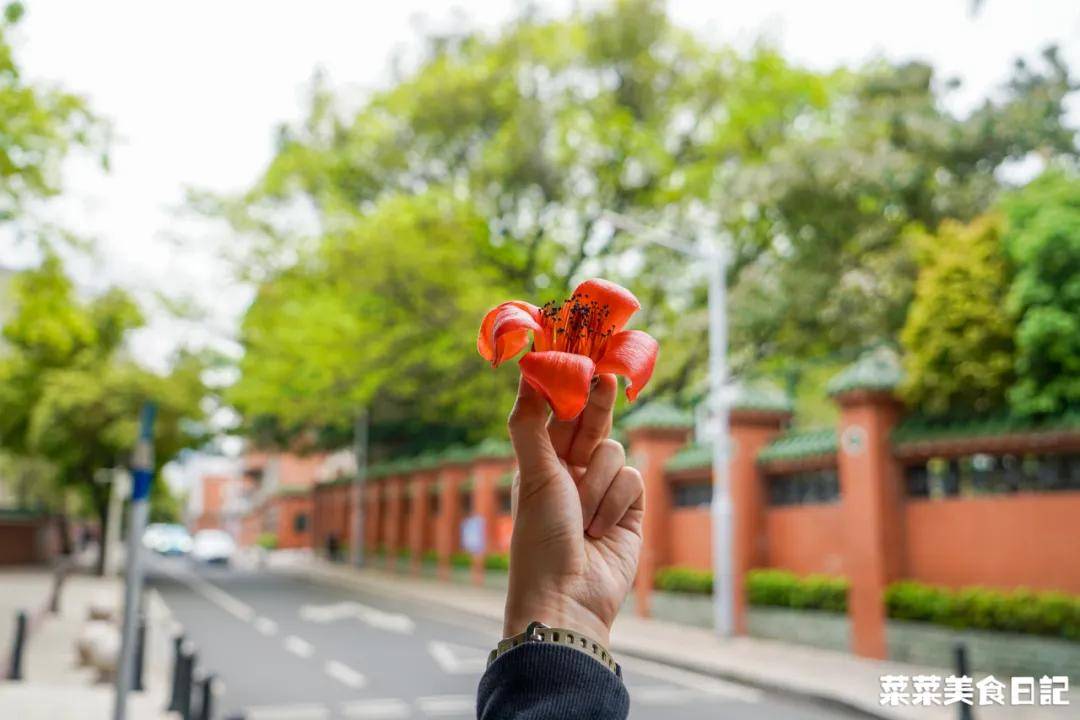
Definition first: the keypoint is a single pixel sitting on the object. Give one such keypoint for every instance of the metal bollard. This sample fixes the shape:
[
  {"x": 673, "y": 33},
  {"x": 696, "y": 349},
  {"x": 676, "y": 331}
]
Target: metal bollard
[
  {"x": 59, "y": 576},
  {"x": 206, "y": 697},
  {"x": 174, "y": 698},
  {"x": 15, "y": 668},
  {"x": 960, "y": 655},
  {"x": 140, "y": 652},
  {"x": 184, "y": 686}
]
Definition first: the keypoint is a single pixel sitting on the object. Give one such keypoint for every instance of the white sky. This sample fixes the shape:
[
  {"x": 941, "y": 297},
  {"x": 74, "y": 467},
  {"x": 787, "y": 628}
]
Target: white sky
[{"x": 194, "y": 90}]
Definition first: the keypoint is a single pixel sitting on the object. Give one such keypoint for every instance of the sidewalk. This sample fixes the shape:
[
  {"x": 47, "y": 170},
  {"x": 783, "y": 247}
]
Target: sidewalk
[
  {"x": 55, "y": 687},
  {"x": 832, "y": 678}
]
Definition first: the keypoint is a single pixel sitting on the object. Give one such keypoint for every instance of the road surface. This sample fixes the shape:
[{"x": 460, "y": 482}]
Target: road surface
[{"x": 288, "y": 648}]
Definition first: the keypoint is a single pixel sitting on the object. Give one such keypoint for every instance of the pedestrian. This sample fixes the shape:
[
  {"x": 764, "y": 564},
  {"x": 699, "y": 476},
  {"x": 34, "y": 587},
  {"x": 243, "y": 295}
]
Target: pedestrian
[{"x": 578, "y": 512}]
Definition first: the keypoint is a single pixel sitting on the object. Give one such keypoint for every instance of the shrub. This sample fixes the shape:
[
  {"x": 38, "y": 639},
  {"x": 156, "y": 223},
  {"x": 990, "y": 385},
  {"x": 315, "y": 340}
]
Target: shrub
[
  {"x": 780, "y": 588},
  {"x": 497, "y": 561},
  {"x": 404, "y": 553},
  {"x": 267, "y": 541},
  {"x": 380, "y": 551},
  {"x": 684, "y": 580},
  {"x": 430, "y": 556},
  {"x": 461, "y": 560},
  {"x": 1022, "y": 611}
]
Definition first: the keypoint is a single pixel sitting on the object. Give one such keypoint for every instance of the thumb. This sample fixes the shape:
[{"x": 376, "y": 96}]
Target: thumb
[{"x": 529, "y": 434}]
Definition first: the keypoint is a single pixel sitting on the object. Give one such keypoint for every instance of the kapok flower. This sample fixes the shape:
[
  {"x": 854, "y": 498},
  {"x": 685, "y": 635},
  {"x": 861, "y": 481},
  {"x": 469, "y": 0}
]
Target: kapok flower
[{"x": 572, "y": 343}]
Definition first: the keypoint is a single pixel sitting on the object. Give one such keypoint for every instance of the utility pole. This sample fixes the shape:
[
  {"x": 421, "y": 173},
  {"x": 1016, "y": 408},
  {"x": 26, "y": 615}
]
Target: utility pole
[
  {"x": 360, "y": 449},
  {"x": 715, "y": 259},
  {"x": 142, "y": 470}
]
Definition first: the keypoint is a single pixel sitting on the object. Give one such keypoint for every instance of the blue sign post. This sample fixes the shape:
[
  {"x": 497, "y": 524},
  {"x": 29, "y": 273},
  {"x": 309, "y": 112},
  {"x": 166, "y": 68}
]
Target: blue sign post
[{"x": 142, "y": 474}]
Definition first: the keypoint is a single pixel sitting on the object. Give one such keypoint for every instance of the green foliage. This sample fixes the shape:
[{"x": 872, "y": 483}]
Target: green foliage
[
  {"x": 430, "y": 557},
  {"x": 1021, "y": 611},
  {"x": 267, "y": 541},
  {"x": 497, "y": 561},
  {"x": 165, "y": 506},
  {"x": 958, "y": 337},
  {"x": 684, "y": 580},
  {"x": 461, "y": 559},
  {"x": 780, "y": 588},
  {"x": 404, "y": 553},
  {"x": 1043, "y": 241}
]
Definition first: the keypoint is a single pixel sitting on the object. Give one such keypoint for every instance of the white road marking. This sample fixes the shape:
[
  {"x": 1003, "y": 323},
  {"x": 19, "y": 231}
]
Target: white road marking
[
  {"x": 384, "y": 709},
  {"x": 299, "y": 646},
  {"x": 376, "y": 618},
  {"x": 216, "y": 595},
  {"x": 694, "y": 681},
  {"x": 266, "y": 626},
  {"x": 448, "y": 705},
  {"x": 288, "y": 712},
  {"x": 458, "y": 659},
  {"x": 344, "y": 674}
]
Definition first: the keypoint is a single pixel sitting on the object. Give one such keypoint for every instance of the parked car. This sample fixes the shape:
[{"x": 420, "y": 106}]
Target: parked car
[
  {"x": 167, "y": 539},
  {"x": 213, "y": 546}
]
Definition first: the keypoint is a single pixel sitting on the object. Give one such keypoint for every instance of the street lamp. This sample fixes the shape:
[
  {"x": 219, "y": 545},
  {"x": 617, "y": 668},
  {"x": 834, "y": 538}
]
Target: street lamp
[{"x": 714, "y": 255}]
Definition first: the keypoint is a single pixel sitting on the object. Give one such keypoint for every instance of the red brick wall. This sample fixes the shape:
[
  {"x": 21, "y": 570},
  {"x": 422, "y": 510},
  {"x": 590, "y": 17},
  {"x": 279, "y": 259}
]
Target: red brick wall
[
  {"x": 19, "y": 542},
  {"x": 288, "y": 508},
  {"x": 691, "y": 533},
  {"x": 805, "y": 538},
  {"x": 1006, "y": 541}
]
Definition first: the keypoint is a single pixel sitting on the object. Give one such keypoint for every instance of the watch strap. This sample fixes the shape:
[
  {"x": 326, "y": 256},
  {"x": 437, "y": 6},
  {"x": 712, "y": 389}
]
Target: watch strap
[{"x": 540, "y": 633}]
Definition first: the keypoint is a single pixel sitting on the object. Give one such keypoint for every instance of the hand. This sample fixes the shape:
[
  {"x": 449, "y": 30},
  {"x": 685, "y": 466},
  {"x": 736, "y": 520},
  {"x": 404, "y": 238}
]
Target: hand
[{"x": 578, "y": 512}]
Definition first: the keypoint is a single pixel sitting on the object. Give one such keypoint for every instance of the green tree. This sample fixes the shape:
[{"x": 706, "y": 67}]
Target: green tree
[
  {"x": 1043, "y": 241},
  {"x": 958, "y": 337}
]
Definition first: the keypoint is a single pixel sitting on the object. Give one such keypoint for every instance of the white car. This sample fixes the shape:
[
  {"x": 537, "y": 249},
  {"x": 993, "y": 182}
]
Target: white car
[
  {"x": 167, "y": 539},
  {"x": 213, "y": 546}
]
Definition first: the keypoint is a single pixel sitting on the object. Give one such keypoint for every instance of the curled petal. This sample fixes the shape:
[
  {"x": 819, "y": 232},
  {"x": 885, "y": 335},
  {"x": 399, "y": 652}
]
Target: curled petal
[
  {"x": 505, "y": 330},
  {"x": 563, "y": 378},
  {"x": 632, "y": 354},
  {"x": 620, "y": 302}
]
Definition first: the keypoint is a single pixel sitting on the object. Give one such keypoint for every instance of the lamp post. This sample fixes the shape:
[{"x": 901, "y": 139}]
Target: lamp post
[{"x": 714, "y": 255}]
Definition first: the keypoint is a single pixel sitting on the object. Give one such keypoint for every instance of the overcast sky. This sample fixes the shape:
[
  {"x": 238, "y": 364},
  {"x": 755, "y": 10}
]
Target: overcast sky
[{"x": 194, "y": 90}]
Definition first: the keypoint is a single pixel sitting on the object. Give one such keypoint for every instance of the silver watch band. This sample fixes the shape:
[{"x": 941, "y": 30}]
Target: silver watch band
[{"x": 541, "y": 633}]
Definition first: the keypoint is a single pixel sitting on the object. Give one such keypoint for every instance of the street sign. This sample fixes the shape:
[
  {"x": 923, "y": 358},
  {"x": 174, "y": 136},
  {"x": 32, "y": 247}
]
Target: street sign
[{"x": 473, "y": 535}]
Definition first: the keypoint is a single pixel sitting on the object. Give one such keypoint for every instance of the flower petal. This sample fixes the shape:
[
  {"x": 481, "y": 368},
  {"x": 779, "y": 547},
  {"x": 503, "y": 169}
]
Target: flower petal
[
  {"x": 505, "y": 330},
  {"x": 632, "y": 354},
  {"x": 620, "y": 302},
  {"x": 563, "y": 378}
]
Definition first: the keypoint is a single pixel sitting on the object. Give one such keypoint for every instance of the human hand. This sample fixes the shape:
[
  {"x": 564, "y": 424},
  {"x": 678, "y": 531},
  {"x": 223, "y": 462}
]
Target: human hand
[{"x": 578, "y": 513}]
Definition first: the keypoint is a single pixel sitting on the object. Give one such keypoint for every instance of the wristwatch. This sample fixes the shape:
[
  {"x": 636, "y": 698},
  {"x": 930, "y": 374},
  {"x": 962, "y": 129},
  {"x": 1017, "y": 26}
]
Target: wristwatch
[{"x": 541, "y": 633}]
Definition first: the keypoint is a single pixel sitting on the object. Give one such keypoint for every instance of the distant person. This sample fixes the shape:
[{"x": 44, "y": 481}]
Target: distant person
[{"x": 578, "y": 512}]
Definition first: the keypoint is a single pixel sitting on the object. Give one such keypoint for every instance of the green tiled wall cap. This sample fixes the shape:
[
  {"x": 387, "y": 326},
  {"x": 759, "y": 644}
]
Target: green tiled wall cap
[
  {"x": 760, "y": 396},
  {"x": 877, "y": 369},
  {"x": 795, "y": 445},
  {"x": 691, "y": 457},
  {"x": 657, "y": 414},
  {"x": 493, "y": 448}
]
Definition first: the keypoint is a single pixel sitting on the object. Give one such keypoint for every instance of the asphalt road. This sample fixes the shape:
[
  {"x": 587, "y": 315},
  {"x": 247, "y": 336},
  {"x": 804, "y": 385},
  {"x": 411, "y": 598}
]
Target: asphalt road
[{"x": 287, "y": 648}]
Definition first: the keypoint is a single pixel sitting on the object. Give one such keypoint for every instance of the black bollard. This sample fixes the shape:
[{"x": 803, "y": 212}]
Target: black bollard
[
  {"x": 187, "y": 668},
  {"x": 15, "y": 668},
  {"x": 206, "y": 697},
  {"x": 960, "y": 654},
  {"x": 140, "y": 653},
  {"x": 58, "y": 583},
  {"x": 174, "y": 699}
]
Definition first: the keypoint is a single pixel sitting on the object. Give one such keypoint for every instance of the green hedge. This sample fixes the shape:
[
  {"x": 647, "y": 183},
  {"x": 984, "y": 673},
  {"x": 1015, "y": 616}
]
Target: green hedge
[
  {"x": 780, "y": 588},
  {"x": 404, "y": 553},
  {"x": 1021, "y": 611},
  {"x": 267, "y": 541},
  {"x": 430, "y": 556},
  {"x": 683, "y": 580},
  {"x": 461, "y": 560},
  {"x": 497, "y": 561}
]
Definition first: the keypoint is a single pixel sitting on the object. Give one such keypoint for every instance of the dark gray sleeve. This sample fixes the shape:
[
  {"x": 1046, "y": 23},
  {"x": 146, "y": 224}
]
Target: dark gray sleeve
[{"x": 538, "y": 681}]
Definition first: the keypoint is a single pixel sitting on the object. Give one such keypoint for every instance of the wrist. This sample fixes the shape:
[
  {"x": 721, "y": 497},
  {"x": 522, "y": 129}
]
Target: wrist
[{"x": 554, "y": 610}]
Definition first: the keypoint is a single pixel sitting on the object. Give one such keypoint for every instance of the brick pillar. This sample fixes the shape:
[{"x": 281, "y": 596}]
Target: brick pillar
[
  {"x": 419, "y": 504},
  {"x": 395, "y": 511},
  {"x": 372, "y": 521},
  {"x": 651, "y": 444},
  {"x": 751, "y": 430},
  {"x": 448, "y": 523},
  {"x": 871, "y": 497},
  {"x": 485, "y": 475}
]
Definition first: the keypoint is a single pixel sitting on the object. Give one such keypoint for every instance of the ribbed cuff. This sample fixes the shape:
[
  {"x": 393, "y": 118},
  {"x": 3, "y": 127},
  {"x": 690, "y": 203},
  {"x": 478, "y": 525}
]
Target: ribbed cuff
[{"x": 540, "y": 680}]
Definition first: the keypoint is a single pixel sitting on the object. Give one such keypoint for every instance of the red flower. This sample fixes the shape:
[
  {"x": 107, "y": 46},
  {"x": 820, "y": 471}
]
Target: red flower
[{"x": 572, "y": 343}]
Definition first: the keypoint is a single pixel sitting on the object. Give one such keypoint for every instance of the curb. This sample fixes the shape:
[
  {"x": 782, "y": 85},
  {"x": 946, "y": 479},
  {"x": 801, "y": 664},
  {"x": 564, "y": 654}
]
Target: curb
[{"x": 336, "y": 576}]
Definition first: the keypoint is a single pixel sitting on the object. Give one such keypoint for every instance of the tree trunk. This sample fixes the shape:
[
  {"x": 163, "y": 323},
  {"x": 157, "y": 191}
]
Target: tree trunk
[{"x": 103, "y": 520}]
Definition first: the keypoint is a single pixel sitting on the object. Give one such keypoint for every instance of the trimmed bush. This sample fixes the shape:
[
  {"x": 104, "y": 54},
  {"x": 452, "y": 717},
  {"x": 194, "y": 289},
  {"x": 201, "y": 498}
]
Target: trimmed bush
[
  {"x": 404, "y": 553},
  {"x": 267, "y": 541},
  {"x": 380, "y": 551},
  {"x": 497, "y": 561},
  {"x": 780, "y": 588},
  {"x": 430, "y": 556},
  {"x": 683, "y": 580},
  {"x": 1021, "y": 611},
  {"x": 461, "y": 560}
]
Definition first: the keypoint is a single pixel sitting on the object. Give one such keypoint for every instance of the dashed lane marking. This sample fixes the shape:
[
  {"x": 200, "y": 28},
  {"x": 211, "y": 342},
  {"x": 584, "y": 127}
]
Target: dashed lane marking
[
  {"x": 344, "y": 674},
  {"x": 299, "y": 647},
  {"x": 266, "y": 626},
  {"x": 457, "y": 659},
  {"x": 380, "y": 709},
  {"x": 448, "y": 705},
  {"x": 225, "y": 601},
  {"x": 311, "y": 711}
]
